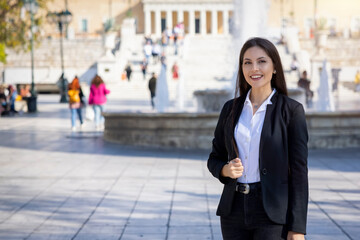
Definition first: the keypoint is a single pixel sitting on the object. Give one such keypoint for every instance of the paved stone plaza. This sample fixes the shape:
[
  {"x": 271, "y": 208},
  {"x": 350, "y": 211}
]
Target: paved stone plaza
[{"x": 55, "y": 184}]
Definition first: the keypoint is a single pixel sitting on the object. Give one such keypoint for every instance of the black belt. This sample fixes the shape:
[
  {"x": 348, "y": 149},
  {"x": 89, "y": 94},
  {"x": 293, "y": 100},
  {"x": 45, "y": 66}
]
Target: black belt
[{"x": 246, "y": 188}]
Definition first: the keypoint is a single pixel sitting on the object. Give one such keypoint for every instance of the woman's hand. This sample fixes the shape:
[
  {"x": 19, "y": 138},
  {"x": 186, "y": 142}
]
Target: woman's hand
[
  {"x": 234, "y": 169},
  {"x": 295, "y": 236}
]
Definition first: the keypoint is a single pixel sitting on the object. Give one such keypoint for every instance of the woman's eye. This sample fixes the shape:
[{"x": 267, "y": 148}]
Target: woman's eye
[
  {"x": 262, "y": 61},
  {"x": 246, "y": 63}
]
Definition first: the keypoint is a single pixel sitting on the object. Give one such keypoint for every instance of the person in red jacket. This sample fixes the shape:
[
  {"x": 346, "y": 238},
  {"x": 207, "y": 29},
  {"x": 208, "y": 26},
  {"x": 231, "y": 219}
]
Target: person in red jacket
[
  {"x": 97, "y": 99},
  {"x": 175, "y": 71}
]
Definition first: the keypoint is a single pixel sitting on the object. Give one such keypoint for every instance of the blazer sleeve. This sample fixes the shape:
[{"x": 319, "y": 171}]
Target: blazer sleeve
[
  {"x": 219, "y": 154},
  {"x": 298, "y": 171}
]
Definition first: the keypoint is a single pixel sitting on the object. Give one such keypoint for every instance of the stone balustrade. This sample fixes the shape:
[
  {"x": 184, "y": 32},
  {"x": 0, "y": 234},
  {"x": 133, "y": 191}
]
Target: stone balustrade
[{"x": 334, "y": 129}]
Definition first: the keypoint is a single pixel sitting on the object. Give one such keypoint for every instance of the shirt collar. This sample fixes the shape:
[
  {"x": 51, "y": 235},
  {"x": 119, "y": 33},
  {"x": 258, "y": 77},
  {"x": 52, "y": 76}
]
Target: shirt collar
[{"x": 264, "y": 104}]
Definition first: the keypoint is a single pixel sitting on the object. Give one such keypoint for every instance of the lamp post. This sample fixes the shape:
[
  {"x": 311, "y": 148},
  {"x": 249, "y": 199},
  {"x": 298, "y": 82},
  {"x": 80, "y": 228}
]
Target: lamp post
[
  {"x": 61, "y": 18},
  {"x": 32, "y": 7}
]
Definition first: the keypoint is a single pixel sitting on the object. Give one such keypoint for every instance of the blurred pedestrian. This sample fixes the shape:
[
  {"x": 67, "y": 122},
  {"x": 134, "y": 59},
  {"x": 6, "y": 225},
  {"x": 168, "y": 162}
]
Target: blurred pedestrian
[
  {"x": 156, "y": 51},
  {"x": 152, "y": 88},
  {"x": 25, "y": 91},
  {"x": 75, "y": 95},
  {"x": 304, "y": 83},
  {"x": 128, "y": 71},
  {"x": 3, "y": 101},
  {"x": 148, "y": 51},
  {"x": 97, "y": 99},
  {"x": 164, "y": 39},
  {"x": 12, "y": 95},
  {"x": 176, "y": 32},
  {"x": 357, "y": 81},
  {"x": 175, "y": 71},
  {"x": 143, "y": 66}
]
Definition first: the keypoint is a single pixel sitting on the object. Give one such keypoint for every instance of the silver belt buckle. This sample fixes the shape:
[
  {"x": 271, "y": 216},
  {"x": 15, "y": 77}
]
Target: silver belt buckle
[{"x": 243, "y": 188}]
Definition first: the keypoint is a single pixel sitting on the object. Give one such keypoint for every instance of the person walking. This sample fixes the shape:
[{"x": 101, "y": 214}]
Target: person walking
[
  {"x": 357, "y": 81},
  {"x": 152, "y": 88},
  {"x": 148, "y": 51},
  {"x": 143, "y": 66},
  {"x": 97, "y": 99},
  {"x": 156, "y": 51},
  {"x": 175, "y": 71},
  {"x": 128, "y": 71},
  {"x": 259, "y": 152},
  {"x": 75, "y": 95}
]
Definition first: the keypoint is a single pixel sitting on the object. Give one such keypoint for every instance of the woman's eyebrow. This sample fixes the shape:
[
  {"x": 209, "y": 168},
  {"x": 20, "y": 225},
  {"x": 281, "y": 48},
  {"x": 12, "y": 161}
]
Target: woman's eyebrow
[{"x": 256, "y": 59}]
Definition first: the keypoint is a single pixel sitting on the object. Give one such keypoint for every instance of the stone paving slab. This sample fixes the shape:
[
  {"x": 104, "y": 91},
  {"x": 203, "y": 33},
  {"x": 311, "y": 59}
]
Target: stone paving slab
[{"x": 55, "y": 184}]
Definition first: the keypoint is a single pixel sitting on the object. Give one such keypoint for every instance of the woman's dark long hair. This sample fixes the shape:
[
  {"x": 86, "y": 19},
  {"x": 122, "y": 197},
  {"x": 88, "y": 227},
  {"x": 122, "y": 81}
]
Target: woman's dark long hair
[{"x": 242, "y": 87}]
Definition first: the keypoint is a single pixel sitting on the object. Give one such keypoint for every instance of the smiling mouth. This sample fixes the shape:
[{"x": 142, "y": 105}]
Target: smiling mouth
[{"x": 256, "y": 77}]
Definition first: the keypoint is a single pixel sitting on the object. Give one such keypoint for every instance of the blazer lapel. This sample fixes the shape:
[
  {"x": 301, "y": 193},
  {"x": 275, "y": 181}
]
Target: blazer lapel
[
  {"x": 232, "y": 146},
  {"x": 267, "y": 127}
]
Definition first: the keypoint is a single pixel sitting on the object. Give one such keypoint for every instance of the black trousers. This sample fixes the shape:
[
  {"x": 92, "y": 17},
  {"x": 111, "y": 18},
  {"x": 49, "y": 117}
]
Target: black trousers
[{"x": 248, "y": 219}]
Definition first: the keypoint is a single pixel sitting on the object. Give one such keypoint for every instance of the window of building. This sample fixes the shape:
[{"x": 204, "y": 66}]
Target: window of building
[{"x": 84, "y": 25}]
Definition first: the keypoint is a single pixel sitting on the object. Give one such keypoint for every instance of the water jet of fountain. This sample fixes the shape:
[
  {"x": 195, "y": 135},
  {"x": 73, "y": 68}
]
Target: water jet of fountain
[
  {"x": 325, "y": 99},
  {"x": 250, "y": 17},
  {"x": 162, "y": 92}
]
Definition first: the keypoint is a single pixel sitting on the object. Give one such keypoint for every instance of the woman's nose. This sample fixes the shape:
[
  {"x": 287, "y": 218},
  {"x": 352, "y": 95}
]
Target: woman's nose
[{"x": 255, "y": 66}]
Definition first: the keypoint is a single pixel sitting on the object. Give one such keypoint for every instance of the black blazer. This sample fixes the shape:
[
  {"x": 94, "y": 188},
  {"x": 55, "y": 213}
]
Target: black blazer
[{"x": 283, "y": 156}]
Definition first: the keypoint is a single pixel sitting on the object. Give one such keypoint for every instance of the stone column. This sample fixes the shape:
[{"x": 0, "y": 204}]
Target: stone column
[
  {"x": 191, "y": 22},
  {"x": 203, "y": 22},
  {"x": 214, "y": 22},
  {"x": 169, "y": 23},
  {"x": 147, "y": 22},
  {"x": 180, "y": 16},
  {"x": 226, "y": 22},
  {"x": 158, "y": 23}
]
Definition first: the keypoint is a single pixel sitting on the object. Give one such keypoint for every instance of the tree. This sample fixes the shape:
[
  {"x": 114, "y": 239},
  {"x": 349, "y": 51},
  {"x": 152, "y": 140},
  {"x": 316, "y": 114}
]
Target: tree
[{"x": 15, "y": 26}]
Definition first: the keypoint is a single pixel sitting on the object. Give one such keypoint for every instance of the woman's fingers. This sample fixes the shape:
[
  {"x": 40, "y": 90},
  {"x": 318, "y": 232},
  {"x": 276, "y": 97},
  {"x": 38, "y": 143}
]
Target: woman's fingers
[{"x": 240, "y": 168}]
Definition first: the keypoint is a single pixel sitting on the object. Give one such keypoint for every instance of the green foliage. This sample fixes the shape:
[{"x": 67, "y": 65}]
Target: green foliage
[
  {"x": 108, "y": 25},
  {"x": 321, "y": 24},
  {"x": 15, "y": 29},
  {"x": 2, "y": 53},
  {"x": 129, "y": 13}
]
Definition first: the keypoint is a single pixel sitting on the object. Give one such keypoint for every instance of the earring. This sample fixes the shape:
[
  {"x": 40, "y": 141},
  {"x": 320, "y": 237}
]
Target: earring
[{"x": 275, "y": 72}]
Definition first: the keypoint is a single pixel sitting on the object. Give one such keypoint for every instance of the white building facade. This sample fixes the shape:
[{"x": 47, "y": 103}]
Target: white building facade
[{"x": 199, "y": 17}]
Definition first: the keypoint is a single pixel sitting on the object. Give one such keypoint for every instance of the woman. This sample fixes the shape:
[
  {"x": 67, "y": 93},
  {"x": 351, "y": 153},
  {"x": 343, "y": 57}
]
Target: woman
[
  {"x": 75, "y": 95},
  {"x": 97, "y": 98},
  {"x": 260, "y": 152}
]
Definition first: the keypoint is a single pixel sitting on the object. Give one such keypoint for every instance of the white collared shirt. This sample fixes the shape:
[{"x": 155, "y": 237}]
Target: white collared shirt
[{"x": 247, "y": 135}]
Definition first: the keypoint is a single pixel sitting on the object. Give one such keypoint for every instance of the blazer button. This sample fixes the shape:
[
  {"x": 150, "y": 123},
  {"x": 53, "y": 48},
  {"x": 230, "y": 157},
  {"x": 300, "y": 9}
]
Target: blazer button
[{"x": 264, "y": 171}]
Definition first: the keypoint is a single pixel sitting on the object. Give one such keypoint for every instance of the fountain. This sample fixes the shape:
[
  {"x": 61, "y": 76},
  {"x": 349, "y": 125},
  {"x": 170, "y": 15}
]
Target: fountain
[
  {"x": 195, "y": 130},
  {"x": 254, "y": 14}
]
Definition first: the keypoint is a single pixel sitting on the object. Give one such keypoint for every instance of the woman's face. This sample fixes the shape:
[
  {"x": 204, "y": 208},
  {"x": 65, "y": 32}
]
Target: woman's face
[{"x": 258, "y": 68}]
